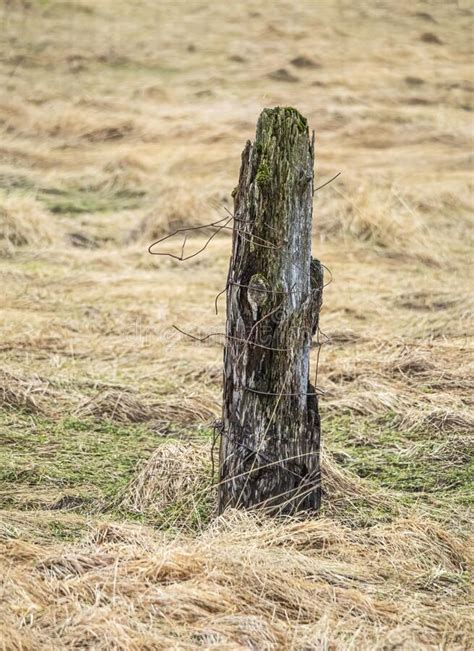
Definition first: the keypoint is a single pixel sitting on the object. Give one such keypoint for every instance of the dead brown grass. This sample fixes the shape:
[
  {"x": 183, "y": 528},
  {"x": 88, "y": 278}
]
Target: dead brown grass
[
  {"x": 178, "y": 207},
  {"x": 175, "y": 473},
  {"x": 382, "y": 218},
  {"x": 122, "y": 121},
  {"x": 126, "y": 407},
  {"x": 23, "y": 393},
  {"x": 23, "y": 221},
  {"x": 245, "y": 583}
]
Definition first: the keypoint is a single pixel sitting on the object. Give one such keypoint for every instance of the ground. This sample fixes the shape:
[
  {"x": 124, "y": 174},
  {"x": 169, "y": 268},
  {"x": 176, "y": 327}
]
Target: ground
[{"x": 122, "y": 121}]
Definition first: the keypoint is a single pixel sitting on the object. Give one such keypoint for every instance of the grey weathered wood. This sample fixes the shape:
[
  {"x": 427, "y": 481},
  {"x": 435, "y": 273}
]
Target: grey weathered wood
[{"x": 269, "y": 455}]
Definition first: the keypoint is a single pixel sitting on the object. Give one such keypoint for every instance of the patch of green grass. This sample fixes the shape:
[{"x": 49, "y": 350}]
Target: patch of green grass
[
  {"x": 58, "y": 7},
  {"x": 84, "y": 200},
  {"x": 190, "y": 514},
  {"x": 78, "y": 458},
  {"x": 394, "y": 470},
  {"x": 74, "y": 200},
  {"x": 359, "y": 513},
  {"x": 15, "y": 182},
  {"x": 63, "y": 530},
  {"x": 409, "y": 462}
]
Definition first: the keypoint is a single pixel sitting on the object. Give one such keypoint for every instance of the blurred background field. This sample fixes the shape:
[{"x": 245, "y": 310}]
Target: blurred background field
[{"x": 122, "y": 120}]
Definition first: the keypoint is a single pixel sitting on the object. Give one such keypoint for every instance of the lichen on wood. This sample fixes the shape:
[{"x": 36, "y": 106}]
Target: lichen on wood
[{"x": 269, "y": 454}]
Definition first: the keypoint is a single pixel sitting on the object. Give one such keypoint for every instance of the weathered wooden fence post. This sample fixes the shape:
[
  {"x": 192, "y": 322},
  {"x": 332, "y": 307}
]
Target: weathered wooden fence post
[{"x": 269, "y": 454}]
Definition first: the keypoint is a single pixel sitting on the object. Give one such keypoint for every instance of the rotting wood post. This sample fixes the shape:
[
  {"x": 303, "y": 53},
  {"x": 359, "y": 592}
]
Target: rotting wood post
[{"x": 269, "y": 453}]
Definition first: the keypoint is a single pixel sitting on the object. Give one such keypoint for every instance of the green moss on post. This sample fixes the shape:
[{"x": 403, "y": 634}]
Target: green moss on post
[{"x": 263, "y": 174}]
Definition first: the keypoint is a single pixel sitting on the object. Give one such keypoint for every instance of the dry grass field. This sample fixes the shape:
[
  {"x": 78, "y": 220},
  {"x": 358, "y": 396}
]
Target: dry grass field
[{"x": 121, "y": 120}]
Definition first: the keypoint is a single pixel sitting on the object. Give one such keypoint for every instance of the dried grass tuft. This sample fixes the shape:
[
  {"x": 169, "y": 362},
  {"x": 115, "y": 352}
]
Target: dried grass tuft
[
  {"x": 128, "y": 407},
  {"x": 430, "y": 366},
  {"x": 441, "y": 420},
  {"x": 18, "y": 392},
  {"x": 119, "y": 406},
  {"x": 179, "y": 207},
  {"x": 341, "y": 485},
  {"x": 175, "y": 473},
  {"x": 382, "y": 218},
  {"x": 23, "y": 222},
  {"x": 370, "y": 397}
]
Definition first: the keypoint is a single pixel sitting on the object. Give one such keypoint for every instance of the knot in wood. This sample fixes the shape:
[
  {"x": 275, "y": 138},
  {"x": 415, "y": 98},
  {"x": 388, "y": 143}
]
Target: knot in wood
[{"x": 257, "y": 293}]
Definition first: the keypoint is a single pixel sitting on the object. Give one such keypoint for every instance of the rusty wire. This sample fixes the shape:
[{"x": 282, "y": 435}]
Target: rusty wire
[
  {"x": 219, "y": 432},
  {"x": 218, "y": 225}
]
